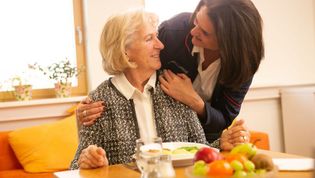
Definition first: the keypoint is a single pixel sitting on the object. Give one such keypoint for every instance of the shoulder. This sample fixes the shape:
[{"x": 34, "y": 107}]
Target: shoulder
[
  {"x": 170, "y": 103},
  {"x": 173, "y": 33},
  {"x": 105, "y": 92},
  {"x": 178, "y": 25},
  {"x": 237, "y": 92}
]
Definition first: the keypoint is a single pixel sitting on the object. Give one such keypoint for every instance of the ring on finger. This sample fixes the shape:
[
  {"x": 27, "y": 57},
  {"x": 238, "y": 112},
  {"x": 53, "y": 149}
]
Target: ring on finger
[
  {"x": 244, "y": 138},
  {"x": 84, "y": 113}
]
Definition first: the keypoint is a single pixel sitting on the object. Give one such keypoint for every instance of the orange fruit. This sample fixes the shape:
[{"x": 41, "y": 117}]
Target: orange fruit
[
  {"x": 220, "y": 168},
  {"x": 236, "y": 156}
]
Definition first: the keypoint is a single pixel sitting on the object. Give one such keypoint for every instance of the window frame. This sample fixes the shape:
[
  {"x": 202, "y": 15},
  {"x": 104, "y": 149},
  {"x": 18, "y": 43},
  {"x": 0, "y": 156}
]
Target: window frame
[{"x": 81, "y": 89}]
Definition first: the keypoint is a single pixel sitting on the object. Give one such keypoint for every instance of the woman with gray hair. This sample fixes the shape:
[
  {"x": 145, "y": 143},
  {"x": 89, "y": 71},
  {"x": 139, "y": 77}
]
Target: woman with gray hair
[{"x": 137, "y": 107}]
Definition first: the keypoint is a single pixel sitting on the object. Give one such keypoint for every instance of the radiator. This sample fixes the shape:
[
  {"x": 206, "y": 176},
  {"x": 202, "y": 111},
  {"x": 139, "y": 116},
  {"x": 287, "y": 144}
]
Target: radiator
[{"x": 298, "y": 111}]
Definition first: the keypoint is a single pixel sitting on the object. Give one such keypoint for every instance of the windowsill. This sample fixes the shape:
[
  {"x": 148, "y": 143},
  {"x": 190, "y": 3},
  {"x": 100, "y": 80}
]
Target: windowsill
[
  {"x": 21, "y": 114},
  {"x": 35, "y": 102}
]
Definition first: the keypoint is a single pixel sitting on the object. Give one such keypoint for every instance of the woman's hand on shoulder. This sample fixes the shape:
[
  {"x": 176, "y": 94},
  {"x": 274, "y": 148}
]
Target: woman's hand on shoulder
[
  {"x": 181, "y": 89},
  {"x": 87, "y": 111},
  {"x": 92, "y": 157},
  {"x": 236, "y": 134}
]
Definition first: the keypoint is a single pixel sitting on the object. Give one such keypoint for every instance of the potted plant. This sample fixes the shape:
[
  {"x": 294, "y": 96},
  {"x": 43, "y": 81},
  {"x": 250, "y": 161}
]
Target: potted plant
[
  {"x": 22, "y": 90},
  {"x": 61, "y": 73}
]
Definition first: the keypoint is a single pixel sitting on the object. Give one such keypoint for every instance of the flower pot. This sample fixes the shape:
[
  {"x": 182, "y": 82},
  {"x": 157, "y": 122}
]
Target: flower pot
[
  {"x": 63, "y": 90},
  {"x": 23, "y": 92}
]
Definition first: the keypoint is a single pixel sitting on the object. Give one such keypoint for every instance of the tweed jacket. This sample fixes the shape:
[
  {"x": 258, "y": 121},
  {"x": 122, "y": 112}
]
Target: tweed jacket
[{"x": 117, "y": 129}]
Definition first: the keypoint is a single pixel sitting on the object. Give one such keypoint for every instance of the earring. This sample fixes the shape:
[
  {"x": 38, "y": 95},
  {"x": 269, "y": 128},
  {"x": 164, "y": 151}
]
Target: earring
[{"x": 127, "y": 57}]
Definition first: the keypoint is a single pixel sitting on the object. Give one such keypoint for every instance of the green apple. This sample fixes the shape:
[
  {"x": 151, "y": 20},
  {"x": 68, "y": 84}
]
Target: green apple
[{"x": 248, "y": 149}]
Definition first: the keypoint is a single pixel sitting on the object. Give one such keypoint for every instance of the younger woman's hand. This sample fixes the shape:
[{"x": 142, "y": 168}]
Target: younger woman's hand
[
  {"x": 181, "y": 89},
  {"x": 87, "y": 111},
  {"x": 236, "y": 134}
]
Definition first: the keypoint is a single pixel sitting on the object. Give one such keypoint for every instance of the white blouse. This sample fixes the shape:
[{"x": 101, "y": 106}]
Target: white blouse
[
  {"x": 142, "y": 101},
  {"x": 206, "y": 79}
]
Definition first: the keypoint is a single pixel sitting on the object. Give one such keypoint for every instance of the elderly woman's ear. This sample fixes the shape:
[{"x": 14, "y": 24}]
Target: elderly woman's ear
[{"x": 126, "y": 54}]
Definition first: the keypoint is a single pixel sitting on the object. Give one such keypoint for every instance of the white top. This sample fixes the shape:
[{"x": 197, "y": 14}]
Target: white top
[
  {"x": 142, "y": 101},
  {"x": 206, "y": 79}
]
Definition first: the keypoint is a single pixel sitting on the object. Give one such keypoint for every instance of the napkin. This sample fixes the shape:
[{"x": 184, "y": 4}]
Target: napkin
[
  {"x": 294, "y": 164},
  {"x": 68, "y": 174}
]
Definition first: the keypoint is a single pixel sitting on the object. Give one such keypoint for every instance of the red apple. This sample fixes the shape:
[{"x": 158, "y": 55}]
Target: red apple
[{"x": 207, "y": 155}]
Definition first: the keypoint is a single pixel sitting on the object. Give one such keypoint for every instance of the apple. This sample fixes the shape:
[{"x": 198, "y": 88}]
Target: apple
[{"x": 207, "y": 155}]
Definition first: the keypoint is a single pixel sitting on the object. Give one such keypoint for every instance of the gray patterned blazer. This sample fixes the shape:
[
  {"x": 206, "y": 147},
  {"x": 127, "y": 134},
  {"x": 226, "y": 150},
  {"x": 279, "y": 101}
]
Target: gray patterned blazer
[{"x": 117, "y": 129}]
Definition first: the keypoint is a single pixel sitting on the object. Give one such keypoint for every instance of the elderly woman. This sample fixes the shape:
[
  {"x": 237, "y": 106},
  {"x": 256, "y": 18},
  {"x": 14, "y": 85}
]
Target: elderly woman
[{"x": 136, "y": 105}]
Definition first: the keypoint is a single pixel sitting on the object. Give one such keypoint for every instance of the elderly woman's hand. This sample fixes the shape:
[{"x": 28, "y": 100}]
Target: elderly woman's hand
[
  {"x": 92, "y": 157},
  {"x": 88, "y": 111},
  {"x": 236, "y": 134}
]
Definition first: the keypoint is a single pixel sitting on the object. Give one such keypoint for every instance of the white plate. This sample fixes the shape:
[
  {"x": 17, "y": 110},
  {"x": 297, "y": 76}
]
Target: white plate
[{"x": 183, "y": 159}]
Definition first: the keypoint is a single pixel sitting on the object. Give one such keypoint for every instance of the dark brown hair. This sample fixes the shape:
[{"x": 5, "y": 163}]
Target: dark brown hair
[{"x": 238, "y": 28}]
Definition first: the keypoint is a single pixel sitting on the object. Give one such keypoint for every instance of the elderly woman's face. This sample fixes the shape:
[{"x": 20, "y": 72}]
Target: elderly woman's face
[
  {"x": 203, "y": 32},
  {"x": 145, "y": 50}
]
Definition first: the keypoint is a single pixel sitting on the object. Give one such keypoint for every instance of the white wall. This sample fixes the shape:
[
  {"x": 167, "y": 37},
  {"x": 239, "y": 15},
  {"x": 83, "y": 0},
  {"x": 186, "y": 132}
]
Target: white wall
[{"x": 289, "y": 35}]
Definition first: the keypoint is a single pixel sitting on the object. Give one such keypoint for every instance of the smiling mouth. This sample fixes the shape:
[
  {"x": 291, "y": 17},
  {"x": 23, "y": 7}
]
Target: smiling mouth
[
  {"x": 196, "y": 38},
  {"x": 156, "y": 56}
]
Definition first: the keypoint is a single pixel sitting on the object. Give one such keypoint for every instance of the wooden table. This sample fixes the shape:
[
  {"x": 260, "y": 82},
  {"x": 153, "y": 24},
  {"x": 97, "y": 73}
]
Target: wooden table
[{"x": 120, "y": 171}]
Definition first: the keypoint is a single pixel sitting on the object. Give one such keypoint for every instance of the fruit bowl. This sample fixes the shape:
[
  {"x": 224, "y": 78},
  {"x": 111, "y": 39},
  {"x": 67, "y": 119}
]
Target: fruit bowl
[{"x": 269, "y": 174}]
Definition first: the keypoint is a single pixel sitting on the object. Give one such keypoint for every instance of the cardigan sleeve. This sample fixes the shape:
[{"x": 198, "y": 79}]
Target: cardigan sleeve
[
  {"x": 195, "y": 131},
  {"x": 89, "y": 135},
  {"x": 222, "y": 110}
]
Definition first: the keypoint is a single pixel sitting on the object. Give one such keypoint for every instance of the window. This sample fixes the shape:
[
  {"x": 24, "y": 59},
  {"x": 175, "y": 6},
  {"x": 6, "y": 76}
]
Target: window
[
  {"x": 44, "y": 32},
  {"x": 168, "y": 8}
]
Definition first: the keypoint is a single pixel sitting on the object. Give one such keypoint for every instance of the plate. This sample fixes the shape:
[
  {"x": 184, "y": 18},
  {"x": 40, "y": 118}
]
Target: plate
[{"x": 179, "y": 160}]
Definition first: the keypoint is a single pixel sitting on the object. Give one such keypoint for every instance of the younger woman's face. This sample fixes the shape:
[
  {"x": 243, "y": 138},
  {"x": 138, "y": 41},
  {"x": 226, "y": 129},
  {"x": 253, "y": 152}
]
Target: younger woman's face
[{"x": 203, "y": 34}]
